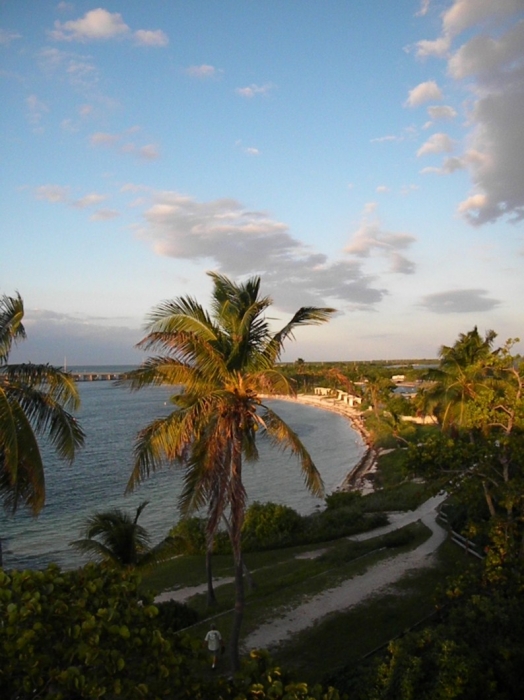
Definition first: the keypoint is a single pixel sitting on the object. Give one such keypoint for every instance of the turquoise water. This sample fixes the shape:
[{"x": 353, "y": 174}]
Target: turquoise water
[{"x": 111, "y": 417}]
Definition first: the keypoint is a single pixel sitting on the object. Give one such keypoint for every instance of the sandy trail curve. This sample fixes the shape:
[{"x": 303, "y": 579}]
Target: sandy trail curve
[{"x": 359, "y": 588}]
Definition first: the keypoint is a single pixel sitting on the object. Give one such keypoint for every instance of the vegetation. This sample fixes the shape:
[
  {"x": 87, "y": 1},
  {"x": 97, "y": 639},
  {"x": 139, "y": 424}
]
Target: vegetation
[
  {"x": 117, "y": 539},
  {"x": 35, "y": 401},
  {"x": 224, "y": 362},
  {"x": 95, "y": 632}
]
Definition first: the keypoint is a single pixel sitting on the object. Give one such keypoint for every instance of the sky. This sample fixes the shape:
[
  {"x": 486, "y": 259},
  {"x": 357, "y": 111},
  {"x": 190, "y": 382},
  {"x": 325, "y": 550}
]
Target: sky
[{"x": 366, "y": 155}]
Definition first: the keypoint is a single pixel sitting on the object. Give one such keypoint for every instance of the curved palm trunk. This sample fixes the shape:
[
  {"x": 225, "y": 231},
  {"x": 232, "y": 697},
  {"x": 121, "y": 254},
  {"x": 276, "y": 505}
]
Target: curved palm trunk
[{"x": 237, "y": 518}]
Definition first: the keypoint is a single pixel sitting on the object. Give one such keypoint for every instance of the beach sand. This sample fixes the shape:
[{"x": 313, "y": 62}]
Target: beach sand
[{"x": 357, "y": 478}]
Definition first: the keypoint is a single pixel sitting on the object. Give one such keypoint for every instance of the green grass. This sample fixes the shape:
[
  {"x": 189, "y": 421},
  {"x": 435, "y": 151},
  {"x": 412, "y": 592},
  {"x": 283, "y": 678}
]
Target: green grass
[{"x": 343, "y": 639}]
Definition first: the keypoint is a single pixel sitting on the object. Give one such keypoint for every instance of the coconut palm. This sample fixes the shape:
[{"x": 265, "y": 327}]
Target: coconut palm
[
  {"x": 34, "y": 402},
  {"x": 116, "y": 538},
  {"x": 225, "y": 363},
  {"x": 462, "y": 372}
]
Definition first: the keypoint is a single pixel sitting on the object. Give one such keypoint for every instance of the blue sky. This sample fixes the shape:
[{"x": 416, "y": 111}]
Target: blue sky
[{"x": 361, "y": 154}]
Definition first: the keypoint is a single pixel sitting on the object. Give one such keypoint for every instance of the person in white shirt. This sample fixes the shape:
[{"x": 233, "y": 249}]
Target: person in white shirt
[{"x": 213, "y": 640}]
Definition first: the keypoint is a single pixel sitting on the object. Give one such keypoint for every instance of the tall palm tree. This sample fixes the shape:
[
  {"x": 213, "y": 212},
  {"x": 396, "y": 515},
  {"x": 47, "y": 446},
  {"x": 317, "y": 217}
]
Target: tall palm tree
[
  {"x": 225, "y": 363},
  {"x": 116, "y": 538},
  {"x": 35, "y": 401}
]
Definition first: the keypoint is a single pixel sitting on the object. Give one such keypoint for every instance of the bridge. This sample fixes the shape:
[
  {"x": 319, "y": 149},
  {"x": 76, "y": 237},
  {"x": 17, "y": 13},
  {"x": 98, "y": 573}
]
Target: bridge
[{"x": 96, "y": 376}]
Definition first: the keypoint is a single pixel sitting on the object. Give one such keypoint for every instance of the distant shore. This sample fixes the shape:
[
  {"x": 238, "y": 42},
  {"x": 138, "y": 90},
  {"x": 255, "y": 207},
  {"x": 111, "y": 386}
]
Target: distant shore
[{"x": 357, "y": 477}]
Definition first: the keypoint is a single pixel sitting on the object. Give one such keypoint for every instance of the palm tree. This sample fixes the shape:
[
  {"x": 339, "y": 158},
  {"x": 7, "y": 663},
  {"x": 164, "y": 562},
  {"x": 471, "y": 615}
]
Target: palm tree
[
  {"x": 116, "y": 538},
  {"x": 462, "y": 372},
  {"x": 34, "y": 401},
  {"x": 225, "y": 363}
]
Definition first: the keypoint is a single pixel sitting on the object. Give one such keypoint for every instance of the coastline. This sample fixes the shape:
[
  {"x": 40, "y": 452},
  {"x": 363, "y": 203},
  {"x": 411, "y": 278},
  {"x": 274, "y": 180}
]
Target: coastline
[{"x": 357, "y": 478}]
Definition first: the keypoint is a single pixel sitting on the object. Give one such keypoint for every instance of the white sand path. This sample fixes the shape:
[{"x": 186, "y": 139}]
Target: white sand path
[{"x": 357, "y": 589}]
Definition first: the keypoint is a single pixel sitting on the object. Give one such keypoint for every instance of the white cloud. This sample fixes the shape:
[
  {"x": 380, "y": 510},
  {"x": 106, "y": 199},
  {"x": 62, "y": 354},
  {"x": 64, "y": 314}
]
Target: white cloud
[
  {"x": 94, "y": 25},
  {"x": 442, "y": 112},
  {"x": 254, "y": 89},
  {"x": 203, "y": 71},
  {"x": 36, "y": 108},
  {"x": 436, "y": 47},
  {"x": 459, "y": 301},
  {"x": 52, "y": 193},
  {"x": 104, "y": 215},
  {"x": 101, "y": 138},
  {"x": 251, "y": 151},
  {"x": 390, "y": 137},
  {"x": 78, "y": 70},
  {"x": 238, "y": 241},
  {"x": 464, "y": 14},
  {"x": 424, "y": 92},
  {"x": 89, "y": 200},
  {"x": 372, "y": 239},
  {"x": 489, "y": 57},
  {"x": 424, "y": 8},
  {"x": 437, "y": 143},
  {"x": 148, "y": 152},
  {"x": 147, "y": 37},
  {"x": 7, "y": 37},
  {"x": 382, "y": 188},
  {"x": 449, "y": 166},
  {"x": 101, "y": 25}
]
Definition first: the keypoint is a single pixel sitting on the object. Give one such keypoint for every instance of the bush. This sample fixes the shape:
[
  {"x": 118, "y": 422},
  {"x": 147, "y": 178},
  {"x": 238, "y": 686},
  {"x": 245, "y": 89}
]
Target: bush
[
  {"x": 343, "y": 499},
  {"x": 189, "y": 536},
  {"x": 174, "y": 616},
  {"x": 85, "y": 634},
  {"x": 269, "y": 526}
]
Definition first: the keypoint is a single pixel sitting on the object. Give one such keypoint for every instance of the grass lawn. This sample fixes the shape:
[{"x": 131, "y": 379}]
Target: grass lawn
[{"x": 283, "y": 582}]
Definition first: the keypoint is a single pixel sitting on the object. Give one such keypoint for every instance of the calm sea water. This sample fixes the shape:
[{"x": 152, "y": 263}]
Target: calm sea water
[{"x": 111, "y": 417}]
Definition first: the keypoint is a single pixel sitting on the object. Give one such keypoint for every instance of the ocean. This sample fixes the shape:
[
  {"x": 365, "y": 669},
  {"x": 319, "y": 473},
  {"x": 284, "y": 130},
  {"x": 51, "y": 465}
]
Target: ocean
[{"x": 111, "y": 417}]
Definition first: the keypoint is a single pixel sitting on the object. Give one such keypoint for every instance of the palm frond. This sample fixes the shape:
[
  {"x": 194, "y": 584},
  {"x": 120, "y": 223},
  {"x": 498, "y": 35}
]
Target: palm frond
[
  {"x": 11, "y": 328},
  {"x": 26, "y": 483}
]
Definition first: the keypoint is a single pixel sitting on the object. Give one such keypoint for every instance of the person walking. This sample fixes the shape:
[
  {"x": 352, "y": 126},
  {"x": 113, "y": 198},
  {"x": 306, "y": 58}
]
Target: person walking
[{"x": 214, "y": 642}]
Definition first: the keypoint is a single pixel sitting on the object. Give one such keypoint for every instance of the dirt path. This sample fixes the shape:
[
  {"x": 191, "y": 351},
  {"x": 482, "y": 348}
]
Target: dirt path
[{"x": 359, "y": 588}]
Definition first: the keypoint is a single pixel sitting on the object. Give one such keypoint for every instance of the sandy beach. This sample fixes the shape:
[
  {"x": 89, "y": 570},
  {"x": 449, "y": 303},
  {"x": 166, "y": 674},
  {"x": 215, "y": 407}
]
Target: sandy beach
[{"x": 357, "y": 476}]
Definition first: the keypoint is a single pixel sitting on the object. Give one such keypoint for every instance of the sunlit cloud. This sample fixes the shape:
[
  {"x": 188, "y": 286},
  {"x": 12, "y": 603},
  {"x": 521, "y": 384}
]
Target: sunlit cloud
[
  {"x": 254, "y": 89},
  {"x": 147, "y": 37},
  {"x": 52, "y": 193},
  {"x": 101, "y": 25},
  {"x": 371, "y": 239},
  {"x": 442, "y": 112},
  {"x": 424, "y": 92},
  {"x": 7, "y": 37},
  {"x": 491, "y": 59},
  {"x": 89, "y": 200},
  {"x": 203, "y": 71},
  {"x": 237, "y": 242},
  {"x": 104, "y": 215},
  {"x": 116, "y": 141},
  {"x": 437, "y": 143}
]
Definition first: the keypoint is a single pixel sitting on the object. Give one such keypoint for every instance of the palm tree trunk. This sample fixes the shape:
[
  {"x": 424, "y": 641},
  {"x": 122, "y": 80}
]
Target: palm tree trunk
[
  {"x": 211, "y": 598},
  {"x": 238, "y": 616}
]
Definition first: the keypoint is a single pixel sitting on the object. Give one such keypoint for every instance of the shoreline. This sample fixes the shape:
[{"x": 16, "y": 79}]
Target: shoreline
[{"x": 357, "y": 477}]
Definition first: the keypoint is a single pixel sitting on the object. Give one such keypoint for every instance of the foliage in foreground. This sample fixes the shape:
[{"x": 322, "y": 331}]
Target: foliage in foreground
[{"x": 88, "y": 634}]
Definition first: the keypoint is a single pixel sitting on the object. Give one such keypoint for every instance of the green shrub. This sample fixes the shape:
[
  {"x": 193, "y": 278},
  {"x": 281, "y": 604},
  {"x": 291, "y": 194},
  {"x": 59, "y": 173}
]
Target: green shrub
[
  {"x": 174, "y": 616},
  {"x": 343, "y": 499},
  {"x": 85, "y": 634},
  {"x": 189, "y": 536},
  {"x": 269, "y": 526}
]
